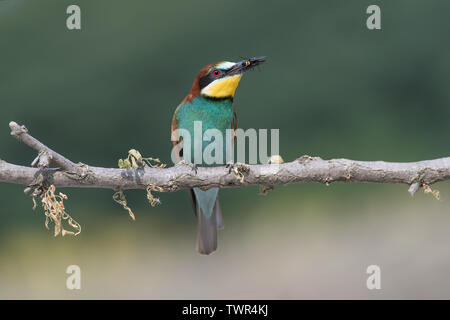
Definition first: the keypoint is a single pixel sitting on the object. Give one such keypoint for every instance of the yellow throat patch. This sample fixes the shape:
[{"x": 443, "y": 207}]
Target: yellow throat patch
[{"x": 222, "y": 88}]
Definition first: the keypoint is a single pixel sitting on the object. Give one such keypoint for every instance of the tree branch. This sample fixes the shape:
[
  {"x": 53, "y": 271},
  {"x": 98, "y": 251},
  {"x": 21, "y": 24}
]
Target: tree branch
[
  {"x": 303, "y": 169},
  {"x": 45, "y": 153}
]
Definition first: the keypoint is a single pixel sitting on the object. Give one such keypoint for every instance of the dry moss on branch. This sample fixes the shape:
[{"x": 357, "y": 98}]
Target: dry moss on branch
[
  {"x": 55, "y": 212},
  {"x": 135, "y": 160}
]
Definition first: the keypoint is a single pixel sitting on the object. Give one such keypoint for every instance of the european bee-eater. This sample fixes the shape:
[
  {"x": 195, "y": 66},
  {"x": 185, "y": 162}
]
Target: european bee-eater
[{"x": 211, "y": 102}]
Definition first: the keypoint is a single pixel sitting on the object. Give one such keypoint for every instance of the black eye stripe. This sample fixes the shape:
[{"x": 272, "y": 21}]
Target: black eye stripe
[
  {"x": 203, "y": 81},
  {"x": 210, "y": 77}
]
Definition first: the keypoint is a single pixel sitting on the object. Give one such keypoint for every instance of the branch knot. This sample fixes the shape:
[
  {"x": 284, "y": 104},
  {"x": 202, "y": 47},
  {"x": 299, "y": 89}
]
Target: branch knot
[{"x": 17, "y": 130}]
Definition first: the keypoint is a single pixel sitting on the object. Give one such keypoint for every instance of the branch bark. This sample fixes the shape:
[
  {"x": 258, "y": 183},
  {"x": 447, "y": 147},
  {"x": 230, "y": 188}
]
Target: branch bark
[{"x": 303, "y": 169}]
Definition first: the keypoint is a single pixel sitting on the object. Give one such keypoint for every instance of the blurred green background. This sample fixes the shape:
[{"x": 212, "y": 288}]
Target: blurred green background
[{"x": 332, "y": 87}]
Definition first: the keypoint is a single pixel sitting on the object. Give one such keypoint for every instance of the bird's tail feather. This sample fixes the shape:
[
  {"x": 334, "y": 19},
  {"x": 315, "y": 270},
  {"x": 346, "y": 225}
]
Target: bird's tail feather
[
  {"x": 218, "y": 213},
  {"x": 207, "y": 233},
  {"x": 209, "y": 217},
  {"x": 207, "y": 229}
]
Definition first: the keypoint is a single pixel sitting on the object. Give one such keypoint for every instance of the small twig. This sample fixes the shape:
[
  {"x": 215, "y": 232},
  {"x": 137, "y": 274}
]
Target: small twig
[
  {"x": 21, "y": 134},
  {"x": 413, "y": 188},
  {"x": 42, "y": 160}
]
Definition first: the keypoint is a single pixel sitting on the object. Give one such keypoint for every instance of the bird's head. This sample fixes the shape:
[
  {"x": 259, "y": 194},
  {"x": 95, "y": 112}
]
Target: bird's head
[{"x": 219, "y": 80}]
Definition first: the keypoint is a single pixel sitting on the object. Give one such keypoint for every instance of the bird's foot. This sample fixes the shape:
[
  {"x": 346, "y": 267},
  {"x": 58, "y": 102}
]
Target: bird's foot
[
  {"x": 239, "y": 169},
  {"x": 188, "y": 164}
]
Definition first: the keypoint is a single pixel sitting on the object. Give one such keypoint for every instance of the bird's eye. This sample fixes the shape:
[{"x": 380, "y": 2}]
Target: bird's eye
[{"x": 216, "y": 73}]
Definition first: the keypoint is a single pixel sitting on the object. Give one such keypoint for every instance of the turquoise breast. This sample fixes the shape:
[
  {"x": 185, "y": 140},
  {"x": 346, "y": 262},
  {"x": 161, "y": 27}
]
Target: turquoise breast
[{"x": 213, "y": 114}]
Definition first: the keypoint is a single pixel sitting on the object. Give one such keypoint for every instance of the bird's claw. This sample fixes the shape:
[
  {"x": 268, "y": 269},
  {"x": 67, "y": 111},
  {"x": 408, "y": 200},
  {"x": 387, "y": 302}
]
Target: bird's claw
[
  {"x": 239, "y": 169},
  {"x": 229, "y": 166}
]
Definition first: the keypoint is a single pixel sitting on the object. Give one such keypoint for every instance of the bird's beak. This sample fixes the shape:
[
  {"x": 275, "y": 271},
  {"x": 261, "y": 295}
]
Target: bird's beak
[{"x": 245, "y": 65}]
